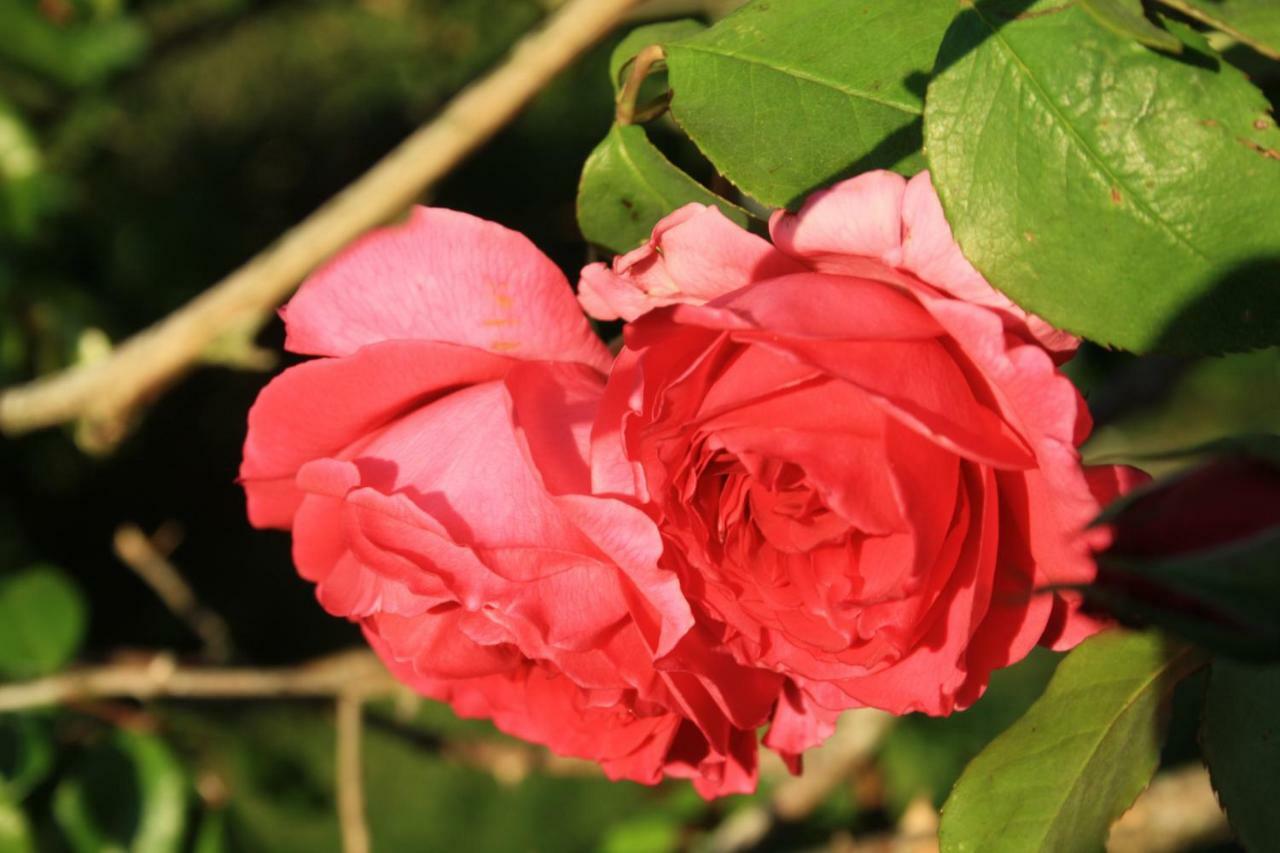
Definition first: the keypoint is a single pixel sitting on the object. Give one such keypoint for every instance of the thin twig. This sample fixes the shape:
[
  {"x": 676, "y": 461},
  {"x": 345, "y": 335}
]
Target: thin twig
[
  {"x": 349, "y": 774},
  {"x": 137, "y": 551},
  {"x": 106, "y": 394},
  {"x": 161, "y": 677},
  {"x": 627, "y": 111}
]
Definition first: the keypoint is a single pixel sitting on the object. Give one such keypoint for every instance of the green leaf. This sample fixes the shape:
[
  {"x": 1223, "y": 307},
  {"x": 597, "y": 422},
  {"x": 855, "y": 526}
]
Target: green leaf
[
  {"x": 1125, "y": 17},
  {"x": 785, "y": 97},
  {"x": 1255, "y": 23},
  {"x": 130, "y": 793},
  {"x": 42, "y": 621},
  {"x": 1241, "y": 743},
  {"x": 27, "y": 191},
  {"x": 1060, "y": 775},
  {"x": 642, "y": 37},
  {"x": 26, "y": 755},
  {"x": 1214, "y": 398},
  {"x": 1050, "y": 136},
  {"x": 628, "y": 185},
  {"x": 75, "y": 56},
  {"x": 15, "y": 832}
]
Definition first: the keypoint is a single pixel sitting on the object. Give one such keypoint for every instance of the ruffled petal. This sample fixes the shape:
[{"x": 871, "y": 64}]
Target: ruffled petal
[
  {"x": 694, "y": 255},
  {"x": 326, "y": 407}
]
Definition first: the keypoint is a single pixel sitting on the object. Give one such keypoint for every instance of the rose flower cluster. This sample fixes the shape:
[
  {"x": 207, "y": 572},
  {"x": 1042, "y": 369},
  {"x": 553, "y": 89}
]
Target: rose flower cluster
[{"x": 829, "y": 470}]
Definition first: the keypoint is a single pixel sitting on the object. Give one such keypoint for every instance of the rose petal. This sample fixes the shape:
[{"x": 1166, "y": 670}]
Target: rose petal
[
  {"x": 694, "y": 255},
  {"x": 325, "y": 407},
  {"x": 442, "y": 276}
]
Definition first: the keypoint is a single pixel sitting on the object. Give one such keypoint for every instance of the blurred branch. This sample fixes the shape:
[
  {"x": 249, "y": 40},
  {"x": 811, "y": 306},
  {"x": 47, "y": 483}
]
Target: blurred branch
[
  {"x": 350, "y": 774},
  {"x": 857, "y": 736},
  {"x": 855, "y": 741},
  {"x": 105, "y": 395},
  {"x": 161, "y": 678},
  {"x": 917, "y": 832},
  {"x": 150, "y": 563},
  {"x": 1178, "y": 811}
]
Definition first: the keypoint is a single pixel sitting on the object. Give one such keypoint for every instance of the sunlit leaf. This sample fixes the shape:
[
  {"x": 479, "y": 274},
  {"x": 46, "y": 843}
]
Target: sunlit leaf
[
  {"x": 784, "y": 97},
  {"x": 1050, "y": 138},
  {"x": 1078, "y": 758}
]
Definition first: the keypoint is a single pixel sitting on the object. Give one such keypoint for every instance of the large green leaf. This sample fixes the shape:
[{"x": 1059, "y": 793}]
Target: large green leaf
[
  {"x": 1241, "y": 741},
  {"x": 1252, "y": 22},
  {"x": 628, "y": 185},
  {"x": 1053, "y": 139},
  {"x": 784, "y": 97},
  {"x": 42, "y": 621},
  {"x": 1126, "y": 18},
  {"x": 129, "y": 793},
  {"x": 1060, "y": 775}
]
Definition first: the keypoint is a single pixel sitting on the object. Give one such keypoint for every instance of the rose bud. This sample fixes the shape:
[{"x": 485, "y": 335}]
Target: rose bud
[{"x": 1199, "y": 555}]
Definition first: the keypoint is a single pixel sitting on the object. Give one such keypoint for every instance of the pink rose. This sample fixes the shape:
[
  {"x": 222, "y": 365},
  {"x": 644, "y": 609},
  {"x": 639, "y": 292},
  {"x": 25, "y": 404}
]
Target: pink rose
[
  {"x": 432, "y": 467},
  {"x": 862, "y": 458}
]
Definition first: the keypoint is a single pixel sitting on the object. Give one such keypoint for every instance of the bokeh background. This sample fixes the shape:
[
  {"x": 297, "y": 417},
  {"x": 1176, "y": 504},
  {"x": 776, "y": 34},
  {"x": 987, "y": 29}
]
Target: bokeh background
[{"x": 148, "y": 147}]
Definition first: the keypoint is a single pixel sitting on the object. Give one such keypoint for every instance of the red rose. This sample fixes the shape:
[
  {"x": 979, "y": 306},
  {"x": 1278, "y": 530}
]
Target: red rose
[
  {"x": 861, "y": 457},
  {"x": 432, "y": 466}
]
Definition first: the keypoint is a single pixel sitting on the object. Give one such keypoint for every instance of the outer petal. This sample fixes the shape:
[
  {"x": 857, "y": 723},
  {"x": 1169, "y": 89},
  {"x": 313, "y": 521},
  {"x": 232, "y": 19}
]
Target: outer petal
[
  {"x": 545, "y": 707},
  {"x": 930, "y": 251},
  {"x": 877, "y": 222},
  {"x": 798, "y": 724},
  {"x": 694, "y": 255},
  {"x": 323, "y": 408},
  {"x": 837, "y": 228},
  {"x": 442, "y": 276}
]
